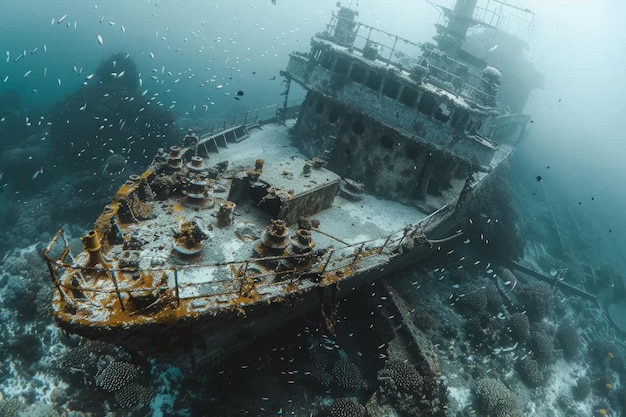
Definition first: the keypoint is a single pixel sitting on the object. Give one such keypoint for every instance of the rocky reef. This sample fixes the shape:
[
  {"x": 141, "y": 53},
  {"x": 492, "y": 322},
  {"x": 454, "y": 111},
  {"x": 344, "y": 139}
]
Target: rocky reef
[{"x": 108, "y": 114}]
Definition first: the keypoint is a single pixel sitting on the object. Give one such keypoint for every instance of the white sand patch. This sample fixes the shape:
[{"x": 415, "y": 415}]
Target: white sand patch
[
  {"x": 461, "y": 395},
  {"x": 562, "y": 379}
]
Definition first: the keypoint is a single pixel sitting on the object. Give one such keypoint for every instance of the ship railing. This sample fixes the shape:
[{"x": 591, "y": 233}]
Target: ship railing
[
  {"x": 390, "y": 48},
  {"x": 258, "y": 116},
  {"x": 405, "y": 55},
  {"x": 229, "y": 279},
  {"x": 467, "y": 87}
]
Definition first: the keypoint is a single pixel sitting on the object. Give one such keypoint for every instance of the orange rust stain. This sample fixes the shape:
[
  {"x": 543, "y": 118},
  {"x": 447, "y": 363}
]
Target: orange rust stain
[{"x": 291, "y": 287}]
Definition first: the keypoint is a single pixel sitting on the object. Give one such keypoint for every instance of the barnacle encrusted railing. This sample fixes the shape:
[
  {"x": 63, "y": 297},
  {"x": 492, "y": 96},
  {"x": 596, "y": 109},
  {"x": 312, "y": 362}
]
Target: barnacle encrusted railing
[
  {"x": 260, "y": 115},
  {"x": 246, "y": 284}
]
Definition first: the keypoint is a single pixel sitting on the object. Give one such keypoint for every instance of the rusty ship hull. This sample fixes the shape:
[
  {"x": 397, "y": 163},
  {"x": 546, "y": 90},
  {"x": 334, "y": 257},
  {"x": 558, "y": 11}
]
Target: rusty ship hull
[{"x": 245, "y": 227}]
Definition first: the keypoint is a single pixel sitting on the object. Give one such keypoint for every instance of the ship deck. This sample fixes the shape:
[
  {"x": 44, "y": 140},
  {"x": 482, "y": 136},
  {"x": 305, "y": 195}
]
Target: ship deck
[
  {"x": 149, "y": 276},
  {"x": 345, "y": 222},
  {"x": 353, "y": 235}
]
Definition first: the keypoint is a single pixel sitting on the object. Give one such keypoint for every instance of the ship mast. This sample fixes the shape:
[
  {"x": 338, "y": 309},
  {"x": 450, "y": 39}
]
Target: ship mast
[
  {"x": 466, "y": 14},
  {"x": 451, "y": 35}
]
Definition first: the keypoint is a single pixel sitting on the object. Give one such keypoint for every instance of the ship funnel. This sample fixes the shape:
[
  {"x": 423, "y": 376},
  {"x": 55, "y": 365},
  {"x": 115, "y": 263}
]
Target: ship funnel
[{"x": 91, "y": 242}]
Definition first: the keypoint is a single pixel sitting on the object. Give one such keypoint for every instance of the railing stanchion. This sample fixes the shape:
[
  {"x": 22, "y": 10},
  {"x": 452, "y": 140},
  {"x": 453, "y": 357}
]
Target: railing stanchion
[
  {"x": 176, "y": 290},
  {"x": 327, "y": 261},
  {"x": 111, "y": 274},
  {"x": 382, "y": 248},
  {"x": 358, "y": 252},
  {"x": 245, "y": 269},
  {"x": 393, "y": 48}
]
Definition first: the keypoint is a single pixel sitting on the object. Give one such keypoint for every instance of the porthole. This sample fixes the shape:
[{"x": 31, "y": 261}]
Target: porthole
[
  {"x": 358, "y": 127},
  {"x": 387, "y": 142},
  {"x": 412, "y": 152},
  {"x": 333, "y": 116}
]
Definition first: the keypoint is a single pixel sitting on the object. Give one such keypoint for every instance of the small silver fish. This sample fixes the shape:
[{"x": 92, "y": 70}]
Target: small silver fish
[
  {"x": 36, "y": 174},
  {"x": 61, "y": 19},
  {"x": 100, "y": 40}
]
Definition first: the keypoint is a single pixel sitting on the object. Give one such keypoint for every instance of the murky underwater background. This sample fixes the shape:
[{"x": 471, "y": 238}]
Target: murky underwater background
[{"x": 67, "y": 141}]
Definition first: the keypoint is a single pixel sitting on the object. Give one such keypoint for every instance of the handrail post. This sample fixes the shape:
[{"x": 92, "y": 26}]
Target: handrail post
[
  {"x": 111, "y": 273},
  {"x": 245, "y": 270},
  {"x": 327, "y": 261},
  {"x": 393, "y": 48},
  {"x": 358, "y": 252},
  {"x": 386, "y": 241},
  {"x": 176, "y": 290}
]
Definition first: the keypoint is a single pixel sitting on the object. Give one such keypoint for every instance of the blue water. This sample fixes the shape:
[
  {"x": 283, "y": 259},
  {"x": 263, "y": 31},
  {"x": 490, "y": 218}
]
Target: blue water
[{"x": 240, "y": 45}]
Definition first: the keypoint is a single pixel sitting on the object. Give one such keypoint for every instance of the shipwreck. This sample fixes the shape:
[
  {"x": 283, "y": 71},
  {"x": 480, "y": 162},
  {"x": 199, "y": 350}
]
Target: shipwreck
[{"x": 252, "y": 223}]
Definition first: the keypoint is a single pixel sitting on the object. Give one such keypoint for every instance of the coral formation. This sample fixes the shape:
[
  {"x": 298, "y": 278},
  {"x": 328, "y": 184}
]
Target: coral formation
[
  {"x": 38, "y": 410},
  {"x": 496, "y": 399},
  {"x": 473, "y": 297},
  {"x": 410, "y": 392},
  {"x": 582, "y": 389},
  {"x": 538, "y": 299},
  {"x": 402, "y": 376},
  {"x": 532, "y": 372},
  {"x": 542, "y": 346},
  {"x": 20, "y": 295},
  {"x": 493, "y": 229},
  {"x": 133, "y": 394},
  {"x": 494, "y": 299},
  {"x": 116, "y": 375},
  {"x": 346, "y": 407},
  {"x": 11, "y": 407},
  {"x": 520, "y": 327},
  {"x": 568, "y": 339},
  {"x": 347, "y": 374}
]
